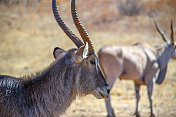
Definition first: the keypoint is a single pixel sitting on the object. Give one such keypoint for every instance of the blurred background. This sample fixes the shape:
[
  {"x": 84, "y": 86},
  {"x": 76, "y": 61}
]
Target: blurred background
[{"x": 29, "y": 33}]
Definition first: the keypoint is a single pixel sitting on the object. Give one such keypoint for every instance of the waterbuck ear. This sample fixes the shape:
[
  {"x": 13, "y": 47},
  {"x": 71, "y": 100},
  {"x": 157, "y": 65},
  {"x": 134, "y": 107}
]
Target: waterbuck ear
[
  {"x": 58, "y": 53},
  {"x": 85, "y": 51}
]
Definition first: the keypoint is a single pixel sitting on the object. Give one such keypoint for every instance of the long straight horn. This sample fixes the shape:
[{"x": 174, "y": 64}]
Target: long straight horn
[
  {"x": 161, "y": 32},
  {"x": 68, "y": 32},
  {"x": 80, "y": 27},
  {"x": 172, "y": 34}
]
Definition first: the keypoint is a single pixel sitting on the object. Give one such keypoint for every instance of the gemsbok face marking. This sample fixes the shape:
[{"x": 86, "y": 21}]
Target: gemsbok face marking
[
  {"x": 50, "y": 92},
  {"x": 141, "y": 63}
]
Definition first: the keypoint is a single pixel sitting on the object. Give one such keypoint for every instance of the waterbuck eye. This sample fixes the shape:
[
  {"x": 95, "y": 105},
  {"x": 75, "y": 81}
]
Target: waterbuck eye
[{"x": 92, "y": 62}]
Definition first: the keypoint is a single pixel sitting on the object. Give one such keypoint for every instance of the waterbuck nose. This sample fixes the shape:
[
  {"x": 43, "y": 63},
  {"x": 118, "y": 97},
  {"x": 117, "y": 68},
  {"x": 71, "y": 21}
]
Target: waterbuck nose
[{"x": 108, "y": 89}]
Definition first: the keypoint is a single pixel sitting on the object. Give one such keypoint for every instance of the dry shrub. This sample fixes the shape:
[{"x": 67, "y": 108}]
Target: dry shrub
[
  {"x": 16, "y": 2},
  {"x": 130, "y": 7}
]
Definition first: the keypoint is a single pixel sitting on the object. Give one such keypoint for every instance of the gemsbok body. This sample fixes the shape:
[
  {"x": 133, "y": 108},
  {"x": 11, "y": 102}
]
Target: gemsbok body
[
  {"x": 141, "y": 63},
  {"x": 50, "y": 92}
]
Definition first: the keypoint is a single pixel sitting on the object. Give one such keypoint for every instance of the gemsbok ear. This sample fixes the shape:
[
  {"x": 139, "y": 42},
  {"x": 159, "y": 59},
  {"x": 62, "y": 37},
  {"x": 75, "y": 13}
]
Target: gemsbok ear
[
  {"x": 85, "y": 51},
  {"x": 58, "y": 53}
]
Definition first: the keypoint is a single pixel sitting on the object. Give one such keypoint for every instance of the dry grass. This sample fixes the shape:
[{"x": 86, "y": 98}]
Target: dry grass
[{"x": 28, "y": 36}]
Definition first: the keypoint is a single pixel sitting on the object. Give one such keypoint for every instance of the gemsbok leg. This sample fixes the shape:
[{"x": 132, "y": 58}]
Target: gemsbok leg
[
  {"x": 137, "y": 89},
  {"x": 150, "y": 92},
  {"x": 109, "y": 107},
  {"x": 110, "y": 80}
]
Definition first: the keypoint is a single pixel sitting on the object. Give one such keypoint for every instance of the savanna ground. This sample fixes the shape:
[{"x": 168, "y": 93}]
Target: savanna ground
[{"x": 29, "y": 32}]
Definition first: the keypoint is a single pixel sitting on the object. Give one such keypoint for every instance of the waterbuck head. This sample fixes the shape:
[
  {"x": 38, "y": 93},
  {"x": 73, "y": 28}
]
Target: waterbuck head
[
  {"x": 170, "y": 44},
  {"x": 88, "y": 76}
]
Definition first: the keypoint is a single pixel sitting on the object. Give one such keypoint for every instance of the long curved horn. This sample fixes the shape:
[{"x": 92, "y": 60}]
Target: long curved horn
[
  {"x": 60, "y": 22},
  {"x": 161, "y": 32},
  {"x": 172, "y": 33},
  {"x": 80, "y": 27}
]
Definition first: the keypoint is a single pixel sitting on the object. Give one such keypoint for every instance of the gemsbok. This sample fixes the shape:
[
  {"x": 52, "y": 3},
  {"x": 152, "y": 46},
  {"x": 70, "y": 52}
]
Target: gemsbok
[
  {"x": 50, "y": 92},
  {"x": 142, "y": 63}
]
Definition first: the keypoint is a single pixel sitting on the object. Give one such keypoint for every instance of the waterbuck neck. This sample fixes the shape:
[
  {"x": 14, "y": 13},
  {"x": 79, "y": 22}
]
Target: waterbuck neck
[
  {"x": 54, "y": 89},
  {"x": 164, "y": 53}
]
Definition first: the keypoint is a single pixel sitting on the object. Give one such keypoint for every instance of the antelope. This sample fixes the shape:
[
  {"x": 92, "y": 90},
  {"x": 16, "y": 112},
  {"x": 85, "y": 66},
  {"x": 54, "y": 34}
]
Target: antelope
[
  {"x": 50, "y": 92},
  {"x": 140, "y": 62}
]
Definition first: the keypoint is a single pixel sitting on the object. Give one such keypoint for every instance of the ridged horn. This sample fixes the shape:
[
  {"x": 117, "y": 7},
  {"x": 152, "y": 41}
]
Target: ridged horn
[
  {"x": 80, "y": 27},
  {"x": 63, "y": 26}
]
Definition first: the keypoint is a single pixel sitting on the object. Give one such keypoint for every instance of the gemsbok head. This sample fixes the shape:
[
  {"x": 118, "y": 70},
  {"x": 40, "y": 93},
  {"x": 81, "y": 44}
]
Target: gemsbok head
[
  {"x": 50, "y": 92},
  {"x": 170, "y": 44}
]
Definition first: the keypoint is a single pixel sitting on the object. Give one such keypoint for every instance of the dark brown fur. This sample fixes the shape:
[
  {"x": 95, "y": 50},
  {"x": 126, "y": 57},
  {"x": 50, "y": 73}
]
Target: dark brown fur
[{"x": 48, "y": 93}]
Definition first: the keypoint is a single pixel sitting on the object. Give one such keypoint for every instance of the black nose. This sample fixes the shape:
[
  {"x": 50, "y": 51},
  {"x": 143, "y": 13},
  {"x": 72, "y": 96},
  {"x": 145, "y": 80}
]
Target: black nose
[{"x": 108, "y": 89}]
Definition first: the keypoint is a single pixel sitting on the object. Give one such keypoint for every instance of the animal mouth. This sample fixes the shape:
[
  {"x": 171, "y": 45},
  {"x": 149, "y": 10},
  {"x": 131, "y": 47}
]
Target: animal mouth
[
  {"x": 101, "y": 93},
  {"x": 104, "y": 96}
]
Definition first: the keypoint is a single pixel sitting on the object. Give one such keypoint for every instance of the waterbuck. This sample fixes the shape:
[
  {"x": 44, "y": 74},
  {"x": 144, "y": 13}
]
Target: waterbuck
[
  {"x": 142, "y": 63},
  {"x": 50, "y": 92}
]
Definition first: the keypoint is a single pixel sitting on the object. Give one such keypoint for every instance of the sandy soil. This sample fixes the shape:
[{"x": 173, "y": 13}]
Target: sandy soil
[{"x": 123, "y": 101}]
